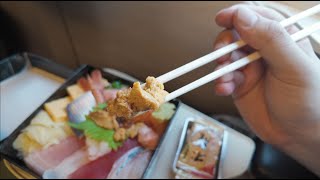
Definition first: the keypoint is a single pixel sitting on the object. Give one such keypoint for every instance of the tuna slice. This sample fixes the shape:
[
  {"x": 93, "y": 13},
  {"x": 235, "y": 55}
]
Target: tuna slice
[
  {"x": 40, "y": 161},
  {"x": 131, "y": 165},
  {"x": 100, "y": 168}
]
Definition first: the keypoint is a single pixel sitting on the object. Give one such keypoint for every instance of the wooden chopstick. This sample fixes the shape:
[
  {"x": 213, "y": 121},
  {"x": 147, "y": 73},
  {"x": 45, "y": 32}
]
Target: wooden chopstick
[
  {"x": 235, "y": 65},
  {"x": 228, "y": 49}
]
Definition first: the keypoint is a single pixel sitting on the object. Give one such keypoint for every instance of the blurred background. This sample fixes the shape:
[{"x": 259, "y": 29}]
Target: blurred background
[{"x": 139, "y": 38}]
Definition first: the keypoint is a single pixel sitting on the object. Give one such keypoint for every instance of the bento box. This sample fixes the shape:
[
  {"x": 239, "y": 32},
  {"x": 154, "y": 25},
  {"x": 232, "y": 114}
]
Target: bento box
[{"x": 81, "y": 149}]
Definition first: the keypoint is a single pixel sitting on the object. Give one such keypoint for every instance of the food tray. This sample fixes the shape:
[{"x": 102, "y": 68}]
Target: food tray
[{"x": 10, "y": 154}]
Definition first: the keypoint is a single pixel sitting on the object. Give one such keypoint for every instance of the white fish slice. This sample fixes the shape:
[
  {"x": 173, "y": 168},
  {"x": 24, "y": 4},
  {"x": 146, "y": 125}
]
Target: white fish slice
[
  {"x": 79, "y": 108},
  {"x": 131, "y": 165}
]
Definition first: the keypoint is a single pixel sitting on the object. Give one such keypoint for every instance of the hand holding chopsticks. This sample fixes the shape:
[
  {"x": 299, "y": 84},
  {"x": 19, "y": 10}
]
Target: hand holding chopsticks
[{"x": 227, "y": 49}]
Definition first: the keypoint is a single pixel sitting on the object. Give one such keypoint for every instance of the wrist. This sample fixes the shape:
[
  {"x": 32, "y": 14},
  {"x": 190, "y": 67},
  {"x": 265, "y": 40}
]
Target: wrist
[{"x": 305, "y": 151}]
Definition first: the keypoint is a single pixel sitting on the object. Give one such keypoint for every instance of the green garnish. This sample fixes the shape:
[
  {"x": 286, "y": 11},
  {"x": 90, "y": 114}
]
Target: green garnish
[
  {"x": 93, "y": 131},
  {"x": 116, "y": 84},
  {"x": 165, "y": 111},
  {"x": 101, "y": 106}
]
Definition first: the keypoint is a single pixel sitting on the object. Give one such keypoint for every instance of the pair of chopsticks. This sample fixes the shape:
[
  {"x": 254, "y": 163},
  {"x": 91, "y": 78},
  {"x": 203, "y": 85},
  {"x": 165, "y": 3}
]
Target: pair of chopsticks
[{"x": 228, "y": 49}]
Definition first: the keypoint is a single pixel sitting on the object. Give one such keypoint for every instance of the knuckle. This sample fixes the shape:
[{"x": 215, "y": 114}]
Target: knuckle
[
  {"x": 274, "y": 31},
  {"x": 275, "y": 34}
]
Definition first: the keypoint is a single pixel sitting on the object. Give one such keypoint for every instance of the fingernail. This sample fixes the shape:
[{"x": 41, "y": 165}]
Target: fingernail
[{"x": 246, "y": 18}]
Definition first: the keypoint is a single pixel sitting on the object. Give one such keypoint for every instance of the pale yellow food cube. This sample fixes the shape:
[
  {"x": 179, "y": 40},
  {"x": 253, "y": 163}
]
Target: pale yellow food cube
[
  {"x": 75, "y": 91},
  {"x": 45, "y": 136},
  {"x": 25, "y": 145},
  {"x": 57, "y": 109},
  {"x": 43, "y": 118}
]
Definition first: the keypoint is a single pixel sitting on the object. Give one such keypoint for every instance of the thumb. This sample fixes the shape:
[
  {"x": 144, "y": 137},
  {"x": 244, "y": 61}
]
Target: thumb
[{"x": 282, "y": 55}]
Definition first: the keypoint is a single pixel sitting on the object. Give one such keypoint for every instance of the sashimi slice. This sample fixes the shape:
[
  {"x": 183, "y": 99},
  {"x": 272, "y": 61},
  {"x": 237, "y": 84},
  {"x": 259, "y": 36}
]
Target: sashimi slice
[
  {"x": 81, "y": 107},
  {"x": 98, "y": 95},
  {"x": 96, "y": 149},
  {"x": 110, "y": 94},
  {"x": 147, "y": 118},
  {"x": 45, "y": 159},
  {"x": 68, "y": 165},
  {"x": 100, "y": 168},
  {"x": 97, "y": 80},
  {"x": 82, "y": 82},
  {"x": 148, "y": 138},
  {"x": 131, "y": 165}
]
